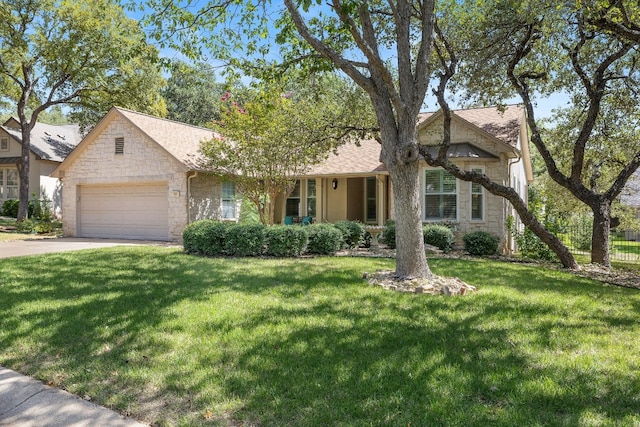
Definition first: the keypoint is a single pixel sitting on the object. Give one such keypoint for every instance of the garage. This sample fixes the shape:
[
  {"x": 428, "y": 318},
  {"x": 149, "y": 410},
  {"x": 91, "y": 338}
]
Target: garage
[{"x": 124, "y": 211}]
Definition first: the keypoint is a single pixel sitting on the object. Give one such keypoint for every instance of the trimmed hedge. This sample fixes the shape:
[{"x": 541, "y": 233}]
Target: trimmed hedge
[
  {"x": 439, "y": 236},
  {"x": 480, "y": 243},
  {"x": 324, "y": 239},
  {"x": 245, "y": 240},
  {"x": 286, "y": 241},
  {"x": 206, "y": 237},
  {"x": 352, "y": 233},
  {"x": 389, "y": 234}
]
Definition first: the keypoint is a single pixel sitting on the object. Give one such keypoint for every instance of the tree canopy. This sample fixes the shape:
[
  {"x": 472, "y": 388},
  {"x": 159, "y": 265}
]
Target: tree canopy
[{"x": 86, "y": 55}]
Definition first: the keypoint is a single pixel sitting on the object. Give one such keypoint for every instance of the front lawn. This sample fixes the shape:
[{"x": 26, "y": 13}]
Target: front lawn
[{"x": 173, "y": 339}]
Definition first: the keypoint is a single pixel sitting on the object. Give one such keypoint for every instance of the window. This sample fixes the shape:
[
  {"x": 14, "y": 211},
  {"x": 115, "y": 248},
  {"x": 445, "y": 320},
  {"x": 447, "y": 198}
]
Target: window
[
  {"x": 311, "y": 197},
  {"x": 293, "y": 202},
  {"x": 228, "y": 200},
  {"x": 441, "y": 199},
  {"x": 477, "y": 199},
  {"x": 8, "y": 183},
  {"x": 120, "y": 145},
  {"x": 4, "y": 144},
  {"x": 371, "y": 202}
]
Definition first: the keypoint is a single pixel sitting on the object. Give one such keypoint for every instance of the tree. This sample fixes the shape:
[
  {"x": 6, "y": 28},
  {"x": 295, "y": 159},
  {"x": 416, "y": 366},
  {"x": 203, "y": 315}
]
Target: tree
[
  {"x": 86, "y": 55},
  {"x": 536, "y": 48},
  {"x": 192, "y": 94},
  {"x": 267, "y": 142},
  {"x": 358, "y": 38}
]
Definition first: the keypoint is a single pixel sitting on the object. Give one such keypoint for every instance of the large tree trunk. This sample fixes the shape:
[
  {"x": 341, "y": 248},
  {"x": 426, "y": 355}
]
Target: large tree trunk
[
  {"x": 600, "y": 233},
  {"x": 411, "y": 260},
  {"x": 23, "y": 171}
]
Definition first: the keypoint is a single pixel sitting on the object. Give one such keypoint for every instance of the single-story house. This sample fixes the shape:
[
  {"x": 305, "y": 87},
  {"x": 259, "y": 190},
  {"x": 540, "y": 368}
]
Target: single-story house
[
  {"x": 354, "y": 184},
  {"x": 138, "y": 176},
  {"x": 50, "y": 145},
  {"x": 630, "y": 197}
]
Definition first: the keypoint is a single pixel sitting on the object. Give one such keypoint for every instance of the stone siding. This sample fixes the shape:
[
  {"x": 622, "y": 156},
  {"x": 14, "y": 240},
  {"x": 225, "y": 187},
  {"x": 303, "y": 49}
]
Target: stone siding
[
  {"x": 143, "y": 161},
  {"x": 205, "y": 197}
]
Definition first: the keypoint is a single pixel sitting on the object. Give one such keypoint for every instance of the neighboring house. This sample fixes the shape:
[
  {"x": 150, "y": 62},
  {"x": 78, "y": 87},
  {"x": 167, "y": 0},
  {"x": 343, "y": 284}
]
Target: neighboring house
[
  {"x": 136, "y": 176},
  {"x": 50, "y": 144},
  {"x": 630, "y": 196},
  {"x": 353, "y": 184}
]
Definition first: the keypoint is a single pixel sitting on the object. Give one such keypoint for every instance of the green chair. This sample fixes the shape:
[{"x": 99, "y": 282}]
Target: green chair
[{"x": 288, "y": 220}]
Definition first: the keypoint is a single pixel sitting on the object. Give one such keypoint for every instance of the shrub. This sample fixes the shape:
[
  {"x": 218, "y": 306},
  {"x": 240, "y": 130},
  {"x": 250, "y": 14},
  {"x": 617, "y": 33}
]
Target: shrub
[
  {"x": 352, "y": 233},
  {"x": 439, "y": 236},
  {"x": 529, "y": 245},
  {"x": 36, "y": 226},
  {"x": 324, "y": 239},
  {"x": 481, "y": 243},
  {"x": 205, "y": 237},
  {"x": 581, "y": 232},
  {"x": 286, "y": 241},
  {"x": 245, "y": 240},
  {"x": 389, "y": 234},
  {"x": 10, "y": 208}
]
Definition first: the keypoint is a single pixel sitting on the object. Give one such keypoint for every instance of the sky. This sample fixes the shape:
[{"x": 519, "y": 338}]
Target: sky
[{"x": 543, "y": 106}]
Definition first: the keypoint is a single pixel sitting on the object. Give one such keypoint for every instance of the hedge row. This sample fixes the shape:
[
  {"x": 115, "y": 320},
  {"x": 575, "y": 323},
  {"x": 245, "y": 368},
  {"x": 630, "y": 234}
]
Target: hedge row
[
  {"x": 214, "y": 238},
  {"x": 475, "y": 243}
]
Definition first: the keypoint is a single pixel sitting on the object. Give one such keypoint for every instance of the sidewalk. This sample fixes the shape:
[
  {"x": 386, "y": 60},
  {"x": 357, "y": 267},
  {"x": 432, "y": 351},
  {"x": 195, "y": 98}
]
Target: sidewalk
[{"x": 25, "y": 402}]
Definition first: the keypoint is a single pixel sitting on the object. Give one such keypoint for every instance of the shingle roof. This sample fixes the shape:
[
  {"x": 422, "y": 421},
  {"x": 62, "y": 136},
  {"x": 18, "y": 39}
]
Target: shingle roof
[
  {"x": 351, "y": 159},
  {"x": 50, "y": 142},
  {"x": 631, "y": 193},
  {"x": 181, "y": 140},
  {"x": 503, "y": 125}
]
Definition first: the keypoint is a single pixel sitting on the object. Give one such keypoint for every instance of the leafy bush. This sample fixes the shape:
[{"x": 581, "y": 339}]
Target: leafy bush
[
  {"x": 529, "y": 245},
  {"x": 352, "y": 233},
  {"x": 36, "y": 226},
  {"x": 481, "y": 243},
  {"x": 324, "y": 239},
  {"x": 10, "y": 208},
  {"x": 580, "y": 232},
  {"x": 439, "y": 236},
  {"x": 205, "y": 237},
  {"x": 286, "y": 241},
  {"x": 389, "y": 234},
  {"x": 245, "y": 240}
]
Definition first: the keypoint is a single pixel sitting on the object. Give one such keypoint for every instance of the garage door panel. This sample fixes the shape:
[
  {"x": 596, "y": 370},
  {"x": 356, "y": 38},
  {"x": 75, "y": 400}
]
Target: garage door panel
[{"x": 126, "y": 211}]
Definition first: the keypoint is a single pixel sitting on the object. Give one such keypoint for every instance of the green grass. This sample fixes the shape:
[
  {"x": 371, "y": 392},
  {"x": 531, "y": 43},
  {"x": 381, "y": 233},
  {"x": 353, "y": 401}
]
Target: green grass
[{"x": 180, "y": 340}]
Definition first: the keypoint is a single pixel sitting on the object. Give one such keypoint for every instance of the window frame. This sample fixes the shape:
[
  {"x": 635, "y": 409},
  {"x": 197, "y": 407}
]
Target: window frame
[
  {"x": 440, "y": 193},
  {"x": 371, "y": 181},
  {"x": 482, "y": 193},
  {"x": 227, "y": 203},
  {"x": 4, "y": 184},
  {"x": 292, "y": 197},
  {"x": 311, "y": 198},
  {"x": 5, "y": 141}
]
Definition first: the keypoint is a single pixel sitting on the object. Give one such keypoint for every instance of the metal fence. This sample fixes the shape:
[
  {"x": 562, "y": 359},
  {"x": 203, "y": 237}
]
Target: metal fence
[{"x": 624, "y": 245}]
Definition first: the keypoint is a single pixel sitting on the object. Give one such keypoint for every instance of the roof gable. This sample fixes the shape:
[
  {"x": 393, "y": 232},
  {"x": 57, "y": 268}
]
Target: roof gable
[
  {"x": 501, "y": 125},
  {"x": 180, "y": 140}
]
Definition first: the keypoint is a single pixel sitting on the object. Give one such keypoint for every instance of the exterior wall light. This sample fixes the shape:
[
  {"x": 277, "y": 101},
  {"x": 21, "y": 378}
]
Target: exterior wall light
[{"x": 334, "y": 184}]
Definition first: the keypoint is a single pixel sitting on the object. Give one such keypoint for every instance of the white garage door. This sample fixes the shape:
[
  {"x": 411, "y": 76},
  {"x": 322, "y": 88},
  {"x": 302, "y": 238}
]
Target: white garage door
[{"x": 124, "y": 211}]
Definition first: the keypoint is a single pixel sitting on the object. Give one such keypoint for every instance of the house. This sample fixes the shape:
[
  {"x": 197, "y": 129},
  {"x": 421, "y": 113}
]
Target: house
[
  {"x": 50, "y": 144},
  {"x": 353, "y": 184},
  {"x": 630, "y": 197},
  {"x": 136, "y": 176}
]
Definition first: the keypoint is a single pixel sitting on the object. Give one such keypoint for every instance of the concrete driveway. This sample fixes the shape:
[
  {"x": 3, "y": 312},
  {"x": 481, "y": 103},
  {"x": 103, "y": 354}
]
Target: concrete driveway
[{"x": 17, "y": 248}]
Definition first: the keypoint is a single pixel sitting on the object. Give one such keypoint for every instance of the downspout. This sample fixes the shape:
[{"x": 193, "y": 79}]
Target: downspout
[
  {"x": 189, "y": 178},
  {"x": 510, "y": 246}
]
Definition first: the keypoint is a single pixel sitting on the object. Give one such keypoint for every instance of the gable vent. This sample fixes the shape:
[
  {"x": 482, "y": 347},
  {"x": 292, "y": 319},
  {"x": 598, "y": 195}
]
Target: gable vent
[{"x": 120, "y": 145}]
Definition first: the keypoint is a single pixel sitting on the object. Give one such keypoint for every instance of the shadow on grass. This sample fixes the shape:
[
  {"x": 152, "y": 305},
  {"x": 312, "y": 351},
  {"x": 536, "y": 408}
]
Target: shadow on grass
[{"x": 168, "y": 336}]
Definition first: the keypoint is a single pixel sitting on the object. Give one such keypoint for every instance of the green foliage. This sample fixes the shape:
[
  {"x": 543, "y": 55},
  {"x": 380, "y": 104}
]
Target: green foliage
[
  {"x": 192, "y": 94},
  {"x": 205, "y": 237},
  {"x": 10, "y": 208},
  {"x": 35, "y": 226},
  {"x": 479, "y": 243},
  {"x": 324, "y": 239},
  {"x": 389, "y": 234},
  {"x": 286, "y": 241},
  {"x": 440, "y": 236},
  {"x": 530, "y": 245},
  {"x": 245, "y": 240},
  {"x": 580, "y": 230},
  {"x": 352, "y": 233}
]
